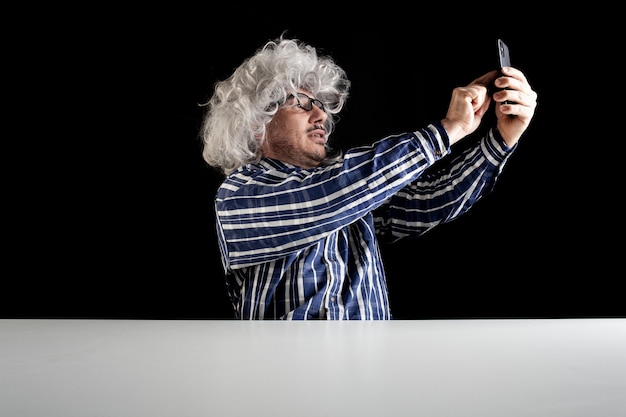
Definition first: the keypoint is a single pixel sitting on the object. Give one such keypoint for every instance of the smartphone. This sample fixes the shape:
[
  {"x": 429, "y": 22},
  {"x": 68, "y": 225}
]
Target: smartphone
[{"x": 504, "y": 59}]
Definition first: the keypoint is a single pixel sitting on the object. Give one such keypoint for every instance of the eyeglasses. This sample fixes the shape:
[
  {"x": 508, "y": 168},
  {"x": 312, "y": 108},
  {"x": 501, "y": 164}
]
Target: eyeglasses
[{"x": 306, "y": 103}]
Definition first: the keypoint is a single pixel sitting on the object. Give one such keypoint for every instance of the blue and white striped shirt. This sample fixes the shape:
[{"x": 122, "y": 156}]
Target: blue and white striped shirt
[{"x": 303, "y": 243}]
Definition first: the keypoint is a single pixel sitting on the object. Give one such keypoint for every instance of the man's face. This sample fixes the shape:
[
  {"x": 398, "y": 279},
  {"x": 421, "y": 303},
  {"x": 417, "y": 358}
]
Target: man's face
[{"x": 296, "y": 135}]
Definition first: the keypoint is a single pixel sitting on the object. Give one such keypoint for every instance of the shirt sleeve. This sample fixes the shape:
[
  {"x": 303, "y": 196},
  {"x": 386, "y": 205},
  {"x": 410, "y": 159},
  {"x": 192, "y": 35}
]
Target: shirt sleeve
[
  {"x": 445, "y": 191},
  {"x": 269, "y": 210}
]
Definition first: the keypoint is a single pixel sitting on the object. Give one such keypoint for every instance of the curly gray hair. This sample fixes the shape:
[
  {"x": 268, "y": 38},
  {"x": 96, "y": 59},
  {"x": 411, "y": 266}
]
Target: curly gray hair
[{"x": 233, "y": 129}]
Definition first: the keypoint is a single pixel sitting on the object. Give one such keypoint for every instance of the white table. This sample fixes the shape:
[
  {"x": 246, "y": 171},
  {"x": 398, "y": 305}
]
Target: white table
[{"x": 430, "y": 368}]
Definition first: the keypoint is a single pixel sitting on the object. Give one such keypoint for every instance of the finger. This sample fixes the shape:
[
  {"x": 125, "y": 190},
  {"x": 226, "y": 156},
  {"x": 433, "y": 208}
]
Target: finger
[
  {"x": 524, "y": 98},
  {"x": 515, "y": 79},
  {"x": 486, "y": 79},
  {"x": 514, "y": 73},
  {"x": 518, "y": 103}
]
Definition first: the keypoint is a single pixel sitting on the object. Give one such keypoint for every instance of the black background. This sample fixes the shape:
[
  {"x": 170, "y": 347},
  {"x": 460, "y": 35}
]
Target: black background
[{"x": 108, "y": 203}]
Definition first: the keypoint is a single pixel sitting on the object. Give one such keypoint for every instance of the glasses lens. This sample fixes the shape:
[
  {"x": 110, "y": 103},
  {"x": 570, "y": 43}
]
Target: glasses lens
[
  {"x": 320, "y": 105},
  {"x": 305, "y": 102}
]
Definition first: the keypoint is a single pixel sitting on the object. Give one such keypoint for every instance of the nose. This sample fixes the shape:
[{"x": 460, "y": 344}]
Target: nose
[{"x": 318, "y": 115}]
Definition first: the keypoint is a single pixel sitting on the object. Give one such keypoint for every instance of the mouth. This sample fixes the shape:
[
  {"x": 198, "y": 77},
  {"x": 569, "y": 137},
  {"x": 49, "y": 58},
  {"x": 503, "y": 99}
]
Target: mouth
[{"x": 318, "y": 135}]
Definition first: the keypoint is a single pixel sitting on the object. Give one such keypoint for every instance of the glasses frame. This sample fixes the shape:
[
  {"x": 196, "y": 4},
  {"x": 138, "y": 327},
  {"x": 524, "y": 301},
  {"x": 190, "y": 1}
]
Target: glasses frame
[{"x": 312, "y": 101}]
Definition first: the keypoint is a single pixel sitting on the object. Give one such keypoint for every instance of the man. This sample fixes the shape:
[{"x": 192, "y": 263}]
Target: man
[{"x": 298, "y": 223}]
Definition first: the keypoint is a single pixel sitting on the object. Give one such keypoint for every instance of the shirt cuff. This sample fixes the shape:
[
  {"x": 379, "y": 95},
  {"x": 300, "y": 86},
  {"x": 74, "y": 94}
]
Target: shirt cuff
[
  {"x": 498, "y": 138},
  {"x": 435, "y": 138}
]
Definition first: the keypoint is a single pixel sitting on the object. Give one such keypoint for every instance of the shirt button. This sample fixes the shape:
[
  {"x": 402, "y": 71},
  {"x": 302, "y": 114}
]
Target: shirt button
[{"x": 333, "y": 299}]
